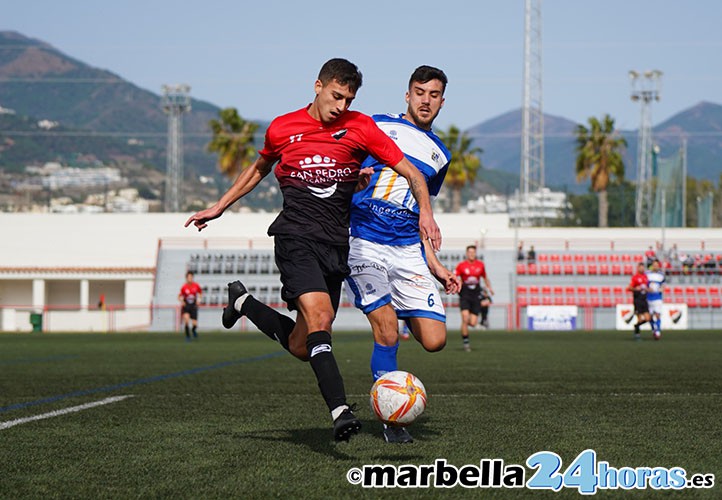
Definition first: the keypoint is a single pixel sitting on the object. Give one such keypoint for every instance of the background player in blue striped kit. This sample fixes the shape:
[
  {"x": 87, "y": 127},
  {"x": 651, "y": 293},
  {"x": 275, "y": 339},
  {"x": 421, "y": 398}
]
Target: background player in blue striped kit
[
  {"x": 655, "y": 289},
  {"x": 391, "y": 267}
]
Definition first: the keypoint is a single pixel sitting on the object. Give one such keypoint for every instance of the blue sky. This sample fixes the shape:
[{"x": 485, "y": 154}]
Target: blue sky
[{"x": 262, "y": 57}]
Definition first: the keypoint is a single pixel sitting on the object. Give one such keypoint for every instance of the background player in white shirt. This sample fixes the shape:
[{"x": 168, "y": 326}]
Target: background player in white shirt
[{"x": 655, "y": 289}]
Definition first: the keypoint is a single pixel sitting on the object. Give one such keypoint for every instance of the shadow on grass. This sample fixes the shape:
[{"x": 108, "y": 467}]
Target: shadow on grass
[{"x": 320, "y": 440}]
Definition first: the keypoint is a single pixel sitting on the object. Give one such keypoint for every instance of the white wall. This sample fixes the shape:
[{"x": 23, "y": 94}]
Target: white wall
[
  {"x": 138, "y": 292},
  {"x": 131, "y": 240}
]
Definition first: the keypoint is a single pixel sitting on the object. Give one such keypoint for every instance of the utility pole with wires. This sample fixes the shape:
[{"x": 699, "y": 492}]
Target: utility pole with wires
[{"x": 176, "y": 101}]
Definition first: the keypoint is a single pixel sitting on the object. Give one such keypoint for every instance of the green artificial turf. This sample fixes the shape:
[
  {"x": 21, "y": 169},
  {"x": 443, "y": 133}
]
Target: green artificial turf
[{"x": 232, "y": 416}]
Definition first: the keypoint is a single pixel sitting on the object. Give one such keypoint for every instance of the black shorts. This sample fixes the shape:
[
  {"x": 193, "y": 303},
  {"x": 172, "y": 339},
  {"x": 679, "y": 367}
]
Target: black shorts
[
  {"x": 191, "y": 309},
  {"x": 310, "y": 266},
  {"x": 641, "y": 306},
  {"x": 470, "y": 300}
]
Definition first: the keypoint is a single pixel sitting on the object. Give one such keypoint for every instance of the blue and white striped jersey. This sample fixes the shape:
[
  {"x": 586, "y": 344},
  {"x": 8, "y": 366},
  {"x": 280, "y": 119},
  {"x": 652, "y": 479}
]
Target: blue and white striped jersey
[
  {"x": 654, "y": 288},
  {"x": 386, "y": 211}
]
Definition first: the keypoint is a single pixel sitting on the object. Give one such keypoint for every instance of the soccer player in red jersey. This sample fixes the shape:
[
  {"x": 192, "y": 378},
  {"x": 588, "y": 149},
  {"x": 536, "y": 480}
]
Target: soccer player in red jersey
[
  {"x": 190, "y": 294},
  {"x": 318, "y": 152},
  {"x": 471, "y": 271},
  {"x": 638, "y": 287}
]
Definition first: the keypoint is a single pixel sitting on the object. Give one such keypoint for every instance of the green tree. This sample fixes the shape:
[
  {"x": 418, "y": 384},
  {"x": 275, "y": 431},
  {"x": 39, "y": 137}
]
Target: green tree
[
  {"x": 599, "y": 158},
  {"x": 584, "y": 210},
  {"x": 464, "y": 163},
  {"x": 232, "y": 141}
]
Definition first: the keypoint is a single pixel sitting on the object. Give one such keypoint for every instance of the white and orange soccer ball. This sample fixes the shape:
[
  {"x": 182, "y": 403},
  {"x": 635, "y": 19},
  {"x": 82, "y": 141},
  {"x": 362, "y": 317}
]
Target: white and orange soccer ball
[{"x": 398, "y": 398}]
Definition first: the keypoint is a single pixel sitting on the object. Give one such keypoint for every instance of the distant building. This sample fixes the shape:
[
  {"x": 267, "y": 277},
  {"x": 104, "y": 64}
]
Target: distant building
[
  {"x": 81, "y": 177},
  {"x": 541, "y": 205},
  {"x": 47, "y": 124}
]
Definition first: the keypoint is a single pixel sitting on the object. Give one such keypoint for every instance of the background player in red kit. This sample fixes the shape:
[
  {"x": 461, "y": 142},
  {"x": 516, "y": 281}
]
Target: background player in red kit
[
  {"x": 190, "y": 294},
  {"x": 638, "y": 287},
  {"x": 319, "y": 150},
  {"x": 471, "y": 271}
]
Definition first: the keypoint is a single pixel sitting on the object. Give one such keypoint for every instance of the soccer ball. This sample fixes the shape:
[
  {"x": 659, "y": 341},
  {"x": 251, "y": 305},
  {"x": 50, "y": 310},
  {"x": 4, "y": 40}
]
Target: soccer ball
[{"x": 398, "y": 398}]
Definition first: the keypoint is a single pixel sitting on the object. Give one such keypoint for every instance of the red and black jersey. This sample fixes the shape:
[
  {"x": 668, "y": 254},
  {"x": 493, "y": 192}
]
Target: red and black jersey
[
  {"x": 190, "y": 292},
  {"x": 471, "y": 274},
  {"x": 318, "y": 170},
  {"x": 637, "y": 280}
]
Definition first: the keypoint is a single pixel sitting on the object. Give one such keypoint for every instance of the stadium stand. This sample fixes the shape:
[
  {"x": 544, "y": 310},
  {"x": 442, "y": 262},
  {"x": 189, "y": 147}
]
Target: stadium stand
[
  {"x": 596, "y": 282},
  {"x": 257, "y": 270}
]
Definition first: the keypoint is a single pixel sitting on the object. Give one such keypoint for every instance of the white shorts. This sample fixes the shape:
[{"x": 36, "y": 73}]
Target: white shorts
[
  {"x": 655, "y": 306},
  {"x": 396, "y": 275}
]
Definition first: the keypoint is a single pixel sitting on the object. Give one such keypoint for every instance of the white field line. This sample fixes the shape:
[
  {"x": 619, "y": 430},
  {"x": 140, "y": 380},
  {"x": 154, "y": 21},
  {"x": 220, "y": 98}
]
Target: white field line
[{"x": 64, "y": 411}]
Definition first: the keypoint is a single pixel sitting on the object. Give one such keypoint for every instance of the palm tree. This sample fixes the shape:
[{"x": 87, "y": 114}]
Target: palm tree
[
  {"x": 464, "y": 163},
  {"x": 232, "y": 141},
  {"x": 599, "y": 157}
]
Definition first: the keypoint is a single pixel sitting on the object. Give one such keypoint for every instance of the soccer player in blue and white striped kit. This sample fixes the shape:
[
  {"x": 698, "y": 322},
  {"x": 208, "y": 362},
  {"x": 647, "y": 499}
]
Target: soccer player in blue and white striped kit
[
  {"x": 391, "y": 267},
  {"x": 655, "y": 289}
]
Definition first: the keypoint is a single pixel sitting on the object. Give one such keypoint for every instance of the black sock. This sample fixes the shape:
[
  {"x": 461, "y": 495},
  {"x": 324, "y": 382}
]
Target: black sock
[
  {"x": 188, "y": 331},
  {"x": 326, "y": 370},
  {"x": 195, "y": 331},
  {"x": 484, "y": 313},
  {"x": 274, "y": 324},
  {"x": 636, "y": 328},
  {"x": 465, "y": 339}
]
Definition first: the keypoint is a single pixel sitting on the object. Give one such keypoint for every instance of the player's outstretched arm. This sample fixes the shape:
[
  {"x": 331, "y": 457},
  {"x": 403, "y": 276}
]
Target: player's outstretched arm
[
  {"x": 244, "y": 184},
  {"x": 427, "y": 225},
  {"x": 451, "y": 282}
]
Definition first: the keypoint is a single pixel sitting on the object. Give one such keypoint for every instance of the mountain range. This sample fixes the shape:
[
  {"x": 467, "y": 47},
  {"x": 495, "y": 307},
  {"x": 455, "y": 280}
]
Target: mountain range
[
  {"x": 110, "y": 117},
  {"x": 700, "y": 125}
]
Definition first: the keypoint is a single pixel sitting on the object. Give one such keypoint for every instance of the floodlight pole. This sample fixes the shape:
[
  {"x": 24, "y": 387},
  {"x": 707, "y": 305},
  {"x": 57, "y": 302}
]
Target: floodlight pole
[
  {"x": 532, "y": 121},
  {"x": 175, "y": 102},
  {"x": 645, "y": 89}
]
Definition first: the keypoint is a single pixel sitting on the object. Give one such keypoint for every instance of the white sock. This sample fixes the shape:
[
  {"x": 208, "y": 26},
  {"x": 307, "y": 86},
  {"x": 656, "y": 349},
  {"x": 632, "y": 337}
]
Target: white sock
[
  {"x": 338, "y": 411},
  {"x": 239, "y": 302}
]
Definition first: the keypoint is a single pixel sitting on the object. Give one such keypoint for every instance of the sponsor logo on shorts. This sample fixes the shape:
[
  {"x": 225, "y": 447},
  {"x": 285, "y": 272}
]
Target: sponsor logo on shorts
[
  {"x": 357, "y": 268},
  {"x": 420, "y": 281}
]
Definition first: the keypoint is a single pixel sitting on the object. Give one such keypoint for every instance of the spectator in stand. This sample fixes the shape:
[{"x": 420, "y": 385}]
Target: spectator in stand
[
  {"x": 650, "y": 255},
  {"x": 687, "y": 262},
  {"x": 520, "y": 252},
  {"x": 531, "y": 255},
  {"x": 673, "y": 255}
]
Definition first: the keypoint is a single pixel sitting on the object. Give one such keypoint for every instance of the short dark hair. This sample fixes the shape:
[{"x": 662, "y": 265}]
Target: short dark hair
[
  {"x": 471, "y": 246},
  {"x": 424, "y": 74},
  {"x": 191, "y": 273},
  {"x": 343, "y": 71}
]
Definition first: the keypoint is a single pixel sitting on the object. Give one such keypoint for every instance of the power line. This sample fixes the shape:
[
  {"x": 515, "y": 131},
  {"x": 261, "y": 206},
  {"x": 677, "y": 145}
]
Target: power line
[{"x": 486, "y": 135}]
